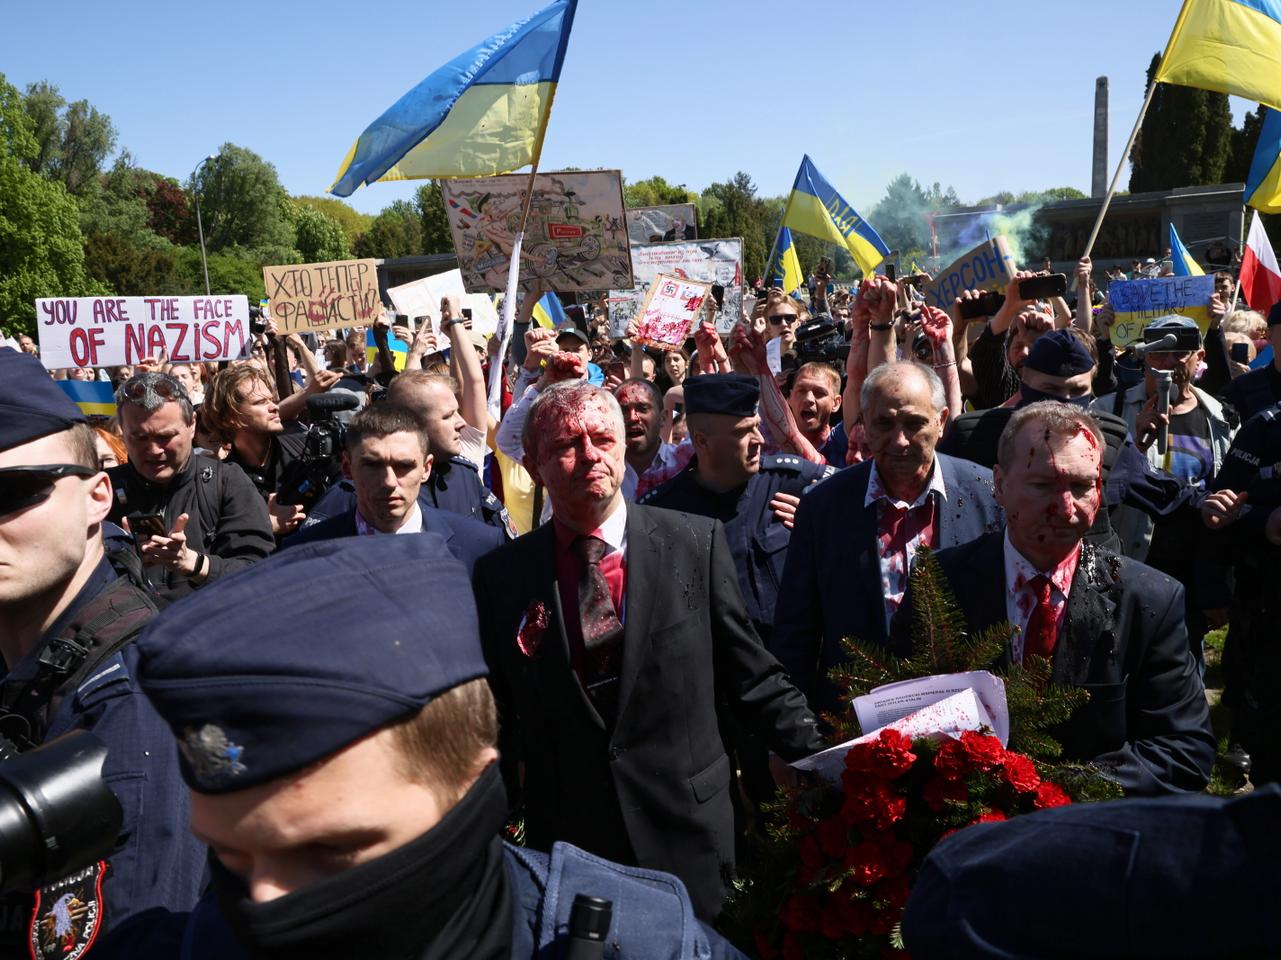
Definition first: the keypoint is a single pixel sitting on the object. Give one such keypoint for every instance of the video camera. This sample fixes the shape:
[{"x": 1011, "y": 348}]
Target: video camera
[
  {"x": 821, "y": 339},
  {"x": 57, "y": 814},
  {"x": 304, "y": 480}
]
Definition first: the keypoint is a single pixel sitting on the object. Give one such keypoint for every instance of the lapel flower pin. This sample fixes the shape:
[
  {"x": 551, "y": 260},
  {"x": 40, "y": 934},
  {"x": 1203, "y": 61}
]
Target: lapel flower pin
[{"x": 533, "y": 624}]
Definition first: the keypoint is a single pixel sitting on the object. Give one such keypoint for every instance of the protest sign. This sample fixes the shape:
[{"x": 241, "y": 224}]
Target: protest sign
[
  {"x": 989, "y": 266},
  {"x": 670, "y": 310},
  {"x": 708, "y": 261},
  {"x": 1138, "y": 302},
  {"x": 675, "y": 221},
  {"x": 484, "y": 315},
  {"x": 575, "y": 239},
  {"x": 111, "y": 331},
  {"x": 323, "y": 296},
  {"x": 421, "y": 297}
]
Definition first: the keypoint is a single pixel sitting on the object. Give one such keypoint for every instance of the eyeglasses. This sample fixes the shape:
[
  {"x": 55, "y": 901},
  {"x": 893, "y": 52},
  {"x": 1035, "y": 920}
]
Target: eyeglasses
[
  {"x": 22, "y": 487},
  {"x": 778, "y": 319}
]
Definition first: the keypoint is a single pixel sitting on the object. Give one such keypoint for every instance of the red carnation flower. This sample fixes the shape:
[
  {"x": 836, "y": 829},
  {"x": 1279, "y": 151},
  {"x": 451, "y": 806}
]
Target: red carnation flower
[
  {"x": 1020, "y": 773},
  {"x": 893, "y": 891},
  {"x": 952, "y": 762},
  {"x": 832, "y": 924},
  {"x": 989, "y": 816},
  {"x": 811, "y": 854},
  {"x": 865, "y": 862},
  {"x": 937, "y": 791},
  {"x": 856, "y": 913},
  {"x": 896, "y": 853},
  {"x": 801, "y": 913},
  {"x": 984, "y": 752},
  {"x": 833, "y": 837},
  {"x": 1050, "y": 795},
  {"x": 888, "y": 756}
]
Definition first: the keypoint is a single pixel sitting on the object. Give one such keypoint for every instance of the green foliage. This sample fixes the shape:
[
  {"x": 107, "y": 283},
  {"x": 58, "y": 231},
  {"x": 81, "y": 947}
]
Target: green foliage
[
  {"x": 116, "y": 203},
  {"x": 243, "y": 205},
  {"x": 397, "y": 231},
  {"x": 1244, "y": 141},
  {"x": 318, "y": 237},
  {"x": 430, "y": 202},
  {"x": 128, "y": 270},
  {"x": 1186, "y": 138},
  {"x": 73, "y": 140},
  {"x": 227, "y": 274},
  {"x": 352, "y": 221},
  {"x": 732, "y": 209},
  {"x": 656, "y": 192}
]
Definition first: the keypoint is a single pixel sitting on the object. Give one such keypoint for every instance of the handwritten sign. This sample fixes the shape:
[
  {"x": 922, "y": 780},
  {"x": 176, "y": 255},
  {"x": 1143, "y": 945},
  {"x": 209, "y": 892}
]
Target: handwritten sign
[
  {"x": 323, "y": 296},
  {"x": 989, "y": 266},
  {"x": 421, "y": 297},
  {"x": 111, "y": 331},
  {"x": 1137, "y": 303},
  {"x": 671, "y": 306},
  {"x": 710, "y": 261}
]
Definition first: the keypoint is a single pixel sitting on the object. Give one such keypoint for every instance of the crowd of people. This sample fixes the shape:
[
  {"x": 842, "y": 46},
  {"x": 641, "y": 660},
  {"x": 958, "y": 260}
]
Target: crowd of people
[{"x": 342, "y": 628}]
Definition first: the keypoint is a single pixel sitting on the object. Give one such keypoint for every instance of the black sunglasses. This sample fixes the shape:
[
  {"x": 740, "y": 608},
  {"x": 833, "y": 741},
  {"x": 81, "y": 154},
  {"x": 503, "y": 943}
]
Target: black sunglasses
[
  {"x": 778, "y": 319},
  {"x": 22, "y": 487}
]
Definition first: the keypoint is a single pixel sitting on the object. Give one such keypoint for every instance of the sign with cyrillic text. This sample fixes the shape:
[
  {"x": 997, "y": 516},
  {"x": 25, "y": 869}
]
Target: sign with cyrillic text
[
  {"x": 113, "y": 331},
  {"x": 989, "y": 266},
  {"x": 323, "y": 296}
]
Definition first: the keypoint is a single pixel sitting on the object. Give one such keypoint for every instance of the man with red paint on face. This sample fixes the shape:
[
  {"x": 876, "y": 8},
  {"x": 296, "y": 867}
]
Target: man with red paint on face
[
  {"x": 1106, "y": 623},
  {"x": 616, "y": 636}
]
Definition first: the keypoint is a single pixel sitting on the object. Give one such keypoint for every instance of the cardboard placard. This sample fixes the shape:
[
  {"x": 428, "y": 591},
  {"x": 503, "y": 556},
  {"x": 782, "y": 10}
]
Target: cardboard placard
[
  {"x": 673, "y": 221},
  {"x": 111, "y": 331},
  {"x": 323, "y": 296},
  {"x": 1138, "y": 302},
  {"x": 421, "y": 297},
  {"x": 575, "y": 238},
  {"x": 670, "y": 310},
  {"x": 989, "y": 266},
  {"x": 709, "y": 261}
]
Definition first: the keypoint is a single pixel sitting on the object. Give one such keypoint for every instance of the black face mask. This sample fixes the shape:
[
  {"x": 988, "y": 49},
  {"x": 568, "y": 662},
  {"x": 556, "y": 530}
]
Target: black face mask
[
  {"x": 1031, "y": 395},
  {"x": 444, "y": 894}
]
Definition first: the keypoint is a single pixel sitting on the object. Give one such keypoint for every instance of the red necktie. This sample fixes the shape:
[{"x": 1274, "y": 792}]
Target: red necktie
[
  {"x": 1042, "y": 630},
  {"x": 602, "y": 631}
]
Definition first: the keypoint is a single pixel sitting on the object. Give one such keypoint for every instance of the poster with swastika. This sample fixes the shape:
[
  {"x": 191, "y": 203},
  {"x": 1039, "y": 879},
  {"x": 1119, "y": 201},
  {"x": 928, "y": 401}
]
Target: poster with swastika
[{"x": 323, "y": 296}]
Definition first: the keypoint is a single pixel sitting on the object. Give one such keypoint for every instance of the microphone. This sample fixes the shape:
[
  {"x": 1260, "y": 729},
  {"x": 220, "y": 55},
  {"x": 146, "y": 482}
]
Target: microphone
[
  {"x": 589, "y": 920},
  {"x": 324, "y": 403},
  {"x": 1168, "y": 342}
]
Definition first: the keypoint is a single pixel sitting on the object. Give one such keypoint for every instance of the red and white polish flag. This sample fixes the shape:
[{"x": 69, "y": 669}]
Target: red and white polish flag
[{"x": 1260, "y": 276}]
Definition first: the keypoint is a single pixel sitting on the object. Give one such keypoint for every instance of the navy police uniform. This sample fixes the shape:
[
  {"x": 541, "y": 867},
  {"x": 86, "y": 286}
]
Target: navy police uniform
[
  {"x": 81, "y": 676},
  {"x": 246, "y": 713}
]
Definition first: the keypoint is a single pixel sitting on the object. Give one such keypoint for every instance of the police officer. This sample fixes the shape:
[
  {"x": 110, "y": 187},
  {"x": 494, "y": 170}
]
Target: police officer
[
  {"x": 68, "y": 619},
  {"x": 353, "y": 804},
  {"x": 731, "y": 480}
]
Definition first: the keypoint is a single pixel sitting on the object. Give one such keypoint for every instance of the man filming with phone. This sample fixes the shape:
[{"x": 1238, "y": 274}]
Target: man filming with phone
[{"x": 194, "y": 518}]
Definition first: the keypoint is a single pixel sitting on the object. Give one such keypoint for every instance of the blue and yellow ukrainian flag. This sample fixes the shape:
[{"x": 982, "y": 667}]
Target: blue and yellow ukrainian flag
[
  {"x": 789, "y": 262},
  {"x": 1231, "y": 46},
  {"x": 483, "y": 113},
  {"x": 95, "y": 398},
  {"x": 1263, "y": 185},
  {"x": 399, "y": 349},
  {"x": 815, "y": 208},
  {"x": 548, "y": 312},
  {"x": 1184, "y": 265}
]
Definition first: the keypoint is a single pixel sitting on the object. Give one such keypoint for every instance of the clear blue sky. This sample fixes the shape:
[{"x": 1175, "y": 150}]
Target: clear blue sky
[{"x": 987, "y": 96}]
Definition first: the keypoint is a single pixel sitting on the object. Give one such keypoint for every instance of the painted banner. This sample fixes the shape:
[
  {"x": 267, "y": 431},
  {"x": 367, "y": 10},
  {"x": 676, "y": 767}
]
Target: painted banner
[
  {"x": 669, "y": 312},
  {"x": 112, "y": 331},
  {"x": 323, "y": 296},
  {"x": 575, "y": 238},
  {"x": 989, "y": 266},
  {"x": 1138, "y": 302},
  {"x": 675, "y": 221},
  {"x": 709, "y": 261}
]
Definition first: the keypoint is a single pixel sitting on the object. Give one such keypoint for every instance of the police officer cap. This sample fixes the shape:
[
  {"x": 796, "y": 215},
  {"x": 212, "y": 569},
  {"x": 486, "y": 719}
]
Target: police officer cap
[
  {"x": 275, "y": 668},
  {"x": 1274, "y": 315},
  {"x": 1060, "y": 354},
  {"x": 1186, "y": 333},
  {"x": 733, "y": 393},
  {"x": 31, "y": 404}
]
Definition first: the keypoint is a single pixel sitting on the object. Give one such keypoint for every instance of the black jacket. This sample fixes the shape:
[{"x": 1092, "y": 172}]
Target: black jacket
[{"x": 227, "y": 519}]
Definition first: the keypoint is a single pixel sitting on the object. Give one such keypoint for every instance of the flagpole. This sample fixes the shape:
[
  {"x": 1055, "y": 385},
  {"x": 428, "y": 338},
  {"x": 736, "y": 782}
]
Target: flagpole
[
  {"x": 1125, "y": 156},
  {"x": 1237, "y": 292}
]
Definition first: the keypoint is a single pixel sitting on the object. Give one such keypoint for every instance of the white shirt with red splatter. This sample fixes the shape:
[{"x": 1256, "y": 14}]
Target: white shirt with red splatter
[
  {"x": 897, "y": 543},
  {"x": 1020, "y": 598}
]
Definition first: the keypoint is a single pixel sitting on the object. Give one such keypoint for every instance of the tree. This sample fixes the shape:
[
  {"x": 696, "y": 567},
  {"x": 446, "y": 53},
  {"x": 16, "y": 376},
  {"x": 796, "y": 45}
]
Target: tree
[
  {"x": 116, "y": 203},
  {"x": 317, "y": 236},
  {"x": 227, "y": 274},
  {"x": 73, "y": 143},
  {"x": 1185, "y": 140},
  {"x": 1244, "y": 142},
  {"x": 169, "y": 212},
  {"x": 732, "y": 209},
  {"x": 435, "y": 221},
  {"x": 242, "y": 205},
  {"x": 131, "y": 271},
  {"x": 41, "y": 248},
  {"x": 900, "y": 217},
  {"x": 655, "y": 192},
  {"x": 397, "y": 231},
  {"x": 352, "y": 221}
]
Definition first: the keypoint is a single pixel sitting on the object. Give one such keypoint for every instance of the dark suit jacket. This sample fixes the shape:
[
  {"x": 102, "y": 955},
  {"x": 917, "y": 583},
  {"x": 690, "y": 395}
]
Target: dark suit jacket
[
  {"x": 832, "y": 580},
  {"x": 655, "y": 789},
  {"x": 1123, "y": 639},
  {"x": 468, "y": 540}
]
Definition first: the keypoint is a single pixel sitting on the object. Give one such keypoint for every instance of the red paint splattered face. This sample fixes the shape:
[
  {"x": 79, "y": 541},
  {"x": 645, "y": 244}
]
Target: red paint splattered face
[
  {"x": 581, "y": 456},
  {"x": 640, "y": 417},
  {"x": 1051, "y": 492}
]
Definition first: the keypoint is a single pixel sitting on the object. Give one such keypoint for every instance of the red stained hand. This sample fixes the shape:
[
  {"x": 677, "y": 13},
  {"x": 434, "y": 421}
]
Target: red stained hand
[
  {"x": 747, "y": 349},
  {"x": 935, "y": 324},
  {"x": 565, "y": 366}
]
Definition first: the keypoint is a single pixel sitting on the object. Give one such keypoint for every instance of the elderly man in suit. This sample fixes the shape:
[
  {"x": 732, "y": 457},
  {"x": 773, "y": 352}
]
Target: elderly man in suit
[
  {"x": 1107, "y": 623},
  {"x": 856, "y": 532},
  {"x": 615, "y": 635}
]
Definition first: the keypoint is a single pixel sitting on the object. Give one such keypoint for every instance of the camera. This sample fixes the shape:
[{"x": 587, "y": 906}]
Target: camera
[
  {"x": 304, "y": 480},
  {"x": 257, "y": 325},
  {"x": 57, "y": 814},
  {"x": 821, "y": 339}
]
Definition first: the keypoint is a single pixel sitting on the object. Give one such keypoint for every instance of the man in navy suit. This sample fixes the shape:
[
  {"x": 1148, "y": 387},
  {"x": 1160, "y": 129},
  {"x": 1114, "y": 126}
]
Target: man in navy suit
[
  {"x": 387, "y": 461},
  {"x": 1106, "y": 623},
  {"x": 857, "y": 531}
]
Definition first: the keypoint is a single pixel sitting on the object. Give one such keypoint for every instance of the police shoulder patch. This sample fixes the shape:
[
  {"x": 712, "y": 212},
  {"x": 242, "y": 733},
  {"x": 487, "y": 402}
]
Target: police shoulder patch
[{"x": 67, "y": 916}]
